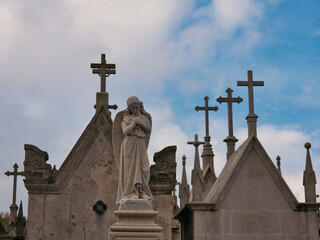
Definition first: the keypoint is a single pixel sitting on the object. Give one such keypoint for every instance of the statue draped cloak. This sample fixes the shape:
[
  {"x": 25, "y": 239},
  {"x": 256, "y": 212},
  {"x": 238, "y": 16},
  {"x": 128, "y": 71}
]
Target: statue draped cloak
[{"x": 132, "y": 158}]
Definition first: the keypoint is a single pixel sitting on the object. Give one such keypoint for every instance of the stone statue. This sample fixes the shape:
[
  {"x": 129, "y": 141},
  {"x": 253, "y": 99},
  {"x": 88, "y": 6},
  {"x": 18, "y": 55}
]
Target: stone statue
[{"x": 131, "y": 134}]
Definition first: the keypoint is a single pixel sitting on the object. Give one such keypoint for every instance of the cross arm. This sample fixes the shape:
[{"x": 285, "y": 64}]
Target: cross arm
[
  {"x": 221, "y": 100},
  {"x": 206, "y": 108},
  {"x": 248, "y": 83},
  {"x": 107, "y": 71},
  {"x": 14, "y": 173},
  {"x": 99, "y": 65}
]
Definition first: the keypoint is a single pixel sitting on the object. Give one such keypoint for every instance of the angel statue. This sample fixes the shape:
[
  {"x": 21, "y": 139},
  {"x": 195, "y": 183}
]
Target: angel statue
[{"x": 131, "y": 134}]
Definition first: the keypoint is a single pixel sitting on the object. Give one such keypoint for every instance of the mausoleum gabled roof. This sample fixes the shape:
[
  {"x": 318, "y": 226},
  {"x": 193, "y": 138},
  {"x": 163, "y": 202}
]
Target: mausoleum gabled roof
[
  {"x": 101, "y": 122},
  {"x": 234, "y": 166}
]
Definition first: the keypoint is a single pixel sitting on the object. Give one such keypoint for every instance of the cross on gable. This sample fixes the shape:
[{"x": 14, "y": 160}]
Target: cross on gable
[
  {"x": 206, "y": 108},
  {"x": 250, "y": 83},
  {"x": 229, "y": 99},
  {"x": 196, "y": 142},
  {"x": 104, "y": 70},
  {"x": 15, "y": 173}
]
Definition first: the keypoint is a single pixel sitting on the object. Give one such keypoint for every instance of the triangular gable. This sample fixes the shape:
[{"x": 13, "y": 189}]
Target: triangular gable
[
  {"x": 234, "y": 165},
  {"x": 101, "y": 121}
]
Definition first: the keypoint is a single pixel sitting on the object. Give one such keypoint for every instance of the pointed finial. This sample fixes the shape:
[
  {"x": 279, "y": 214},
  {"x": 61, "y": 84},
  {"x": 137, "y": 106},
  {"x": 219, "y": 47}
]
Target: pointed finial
[
  {"x": 184, "y": 188},
  {"x": 20, "y": 213},
  {"x": 184, "y": 160},
  {"x": 309, "y": 178},
  {"x": 279, "y": 163}
]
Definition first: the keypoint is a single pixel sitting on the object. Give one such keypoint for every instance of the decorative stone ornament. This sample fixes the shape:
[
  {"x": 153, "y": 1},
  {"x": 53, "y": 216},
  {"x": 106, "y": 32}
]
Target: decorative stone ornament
[{"x": 99, "y": 207}]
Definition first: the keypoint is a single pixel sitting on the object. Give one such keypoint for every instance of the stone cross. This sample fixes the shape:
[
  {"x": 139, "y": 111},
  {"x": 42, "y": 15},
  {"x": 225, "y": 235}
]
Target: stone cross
[
  {"x": 196, "y": 142},
  {"x": 104, "y": 70},
  {"x": 206, "y": 108},
  {"x": 15, "y": 173},
  {"x": 252, "y": 117},
  {"x": 230, "y": 140},
  {"x": 207, "y": 154}
]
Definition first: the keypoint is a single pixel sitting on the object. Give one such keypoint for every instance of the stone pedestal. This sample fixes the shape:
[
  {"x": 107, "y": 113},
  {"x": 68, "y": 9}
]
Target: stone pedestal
[{"x": 135, "y": 220}]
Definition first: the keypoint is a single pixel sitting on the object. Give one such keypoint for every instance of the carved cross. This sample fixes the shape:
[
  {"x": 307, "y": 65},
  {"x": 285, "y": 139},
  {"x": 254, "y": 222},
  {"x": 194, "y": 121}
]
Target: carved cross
[
  {"x": 196, "y": 142},
  {"x": 250, "y": 83},
  {"x": 206, "y": 108},
  {"x": 15, "y": 173},
  {"x": 230, "y": 100},
  {"x": 104, "y": 70}
]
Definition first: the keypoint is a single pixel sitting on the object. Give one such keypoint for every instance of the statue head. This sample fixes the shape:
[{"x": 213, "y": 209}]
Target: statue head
[{"x": 132, "y": 103}]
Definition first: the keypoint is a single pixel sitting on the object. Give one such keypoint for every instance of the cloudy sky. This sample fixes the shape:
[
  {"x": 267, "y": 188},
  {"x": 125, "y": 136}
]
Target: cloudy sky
[{"x": 171, "y": 54}]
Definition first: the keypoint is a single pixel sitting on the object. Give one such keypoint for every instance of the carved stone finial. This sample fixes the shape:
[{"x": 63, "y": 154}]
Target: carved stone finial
[
  {"x": 309, "y": 178},
  {"x": 184, "y": 188},
  {"x": 279, "y": 163},
  {"x": 163, "y": 172},
  {"x": 307, "y": 145},
  {"x": 197, "y": 174},
  {"x": 252, "y": 117}
]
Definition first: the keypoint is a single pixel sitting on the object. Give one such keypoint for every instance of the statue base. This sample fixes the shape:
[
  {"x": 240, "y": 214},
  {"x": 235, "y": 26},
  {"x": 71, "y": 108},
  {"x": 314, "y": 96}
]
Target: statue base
[{"x": 135, "y": 220}]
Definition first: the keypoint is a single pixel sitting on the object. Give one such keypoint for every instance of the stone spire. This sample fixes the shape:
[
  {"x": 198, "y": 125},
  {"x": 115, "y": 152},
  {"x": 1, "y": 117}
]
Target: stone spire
[
  {"x": 197, "y": 174},
  {"x": 103, "y": 70},
  {"x": 184, "y": 188},
  {"x": 207, "y": 154},
  {"x": 309, "y": 178},
  {"x": 279, "y": 163},
  {"x": 14, "y": 207},
  {"x": 230, "y": 140},
  {"x": 20, "y": 222},
  {"x": 252, "y": 117}
]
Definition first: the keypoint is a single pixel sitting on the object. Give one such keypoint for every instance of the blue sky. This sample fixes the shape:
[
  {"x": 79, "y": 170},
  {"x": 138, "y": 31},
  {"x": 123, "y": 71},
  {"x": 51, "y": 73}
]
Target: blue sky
[{"x": 171, "y": 54}]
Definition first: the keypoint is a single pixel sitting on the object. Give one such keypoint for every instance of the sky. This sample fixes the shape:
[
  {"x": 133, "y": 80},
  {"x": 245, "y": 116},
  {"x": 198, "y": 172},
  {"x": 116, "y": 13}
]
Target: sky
[{"x": 170, "y": 54}]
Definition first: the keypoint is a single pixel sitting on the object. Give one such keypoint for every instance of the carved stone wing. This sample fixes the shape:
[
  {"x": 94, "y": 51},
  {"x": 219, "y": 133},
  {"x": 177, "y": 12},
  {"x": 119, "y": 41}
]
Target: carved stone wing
[
  {"x": 117, "y": 136},
  {"x": 148, "y": 134}
]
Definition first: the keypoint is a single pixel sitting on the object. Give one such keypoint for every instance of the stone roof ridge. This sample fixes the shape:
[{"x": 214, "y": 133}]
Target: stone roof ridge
[{"x": 233, "y": 166}]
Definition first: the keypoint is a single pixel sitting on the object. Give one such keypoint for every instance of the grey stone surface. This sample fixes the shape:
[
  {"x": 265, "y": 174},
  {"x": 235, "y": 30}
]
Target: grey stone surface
[
  {"x": 135, "y": 204},
  {"x": 135, "y": 224},
  {"x": 162, "y": 183},
  {"x": 250, "y": 200},
  {"x": 62, "y": 207}
]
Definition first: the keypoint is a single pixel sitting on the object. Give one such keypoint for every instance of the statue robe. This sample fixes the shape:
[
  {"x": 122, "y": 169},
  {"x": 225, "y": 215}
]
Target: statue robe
[{"x": 134, "y": 162}]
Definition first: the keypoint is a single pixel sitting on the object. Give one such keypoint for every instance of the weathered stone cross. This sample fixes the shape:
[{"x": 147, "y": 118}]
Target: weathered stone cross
[
  {"x": 230, "y": 100},
  {"x": 196, "y": 142},
  {"x": 15, "y": 173},
  {"x": 252, "y": 117},
  {"x": 207, "y": 154},
  {"x": 230, "y": 140},
  {"x": 206, "y": 108},
  {"x": 104, "y": 70}
]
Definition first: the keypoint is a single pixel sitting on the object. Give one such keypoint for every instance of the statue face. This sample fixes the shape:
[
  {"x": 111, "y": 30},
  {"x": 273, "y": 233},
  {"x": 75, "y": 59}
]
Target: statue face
[{"x": 135, "y": 108}]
